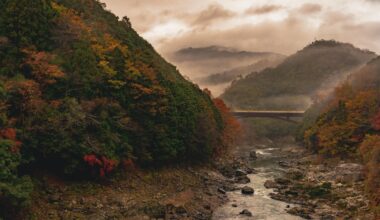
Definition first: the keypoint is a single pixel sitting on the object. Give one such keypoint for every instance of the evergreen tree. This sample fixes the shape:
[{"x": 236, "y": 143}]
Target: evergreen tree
[{"x": 27, "y": 22}]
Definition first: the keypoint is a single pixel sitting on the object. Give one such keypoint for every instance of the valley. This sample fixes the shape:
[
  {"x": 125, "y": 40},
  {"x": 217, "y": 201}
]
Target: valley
[{"x": 204, "y": 110}]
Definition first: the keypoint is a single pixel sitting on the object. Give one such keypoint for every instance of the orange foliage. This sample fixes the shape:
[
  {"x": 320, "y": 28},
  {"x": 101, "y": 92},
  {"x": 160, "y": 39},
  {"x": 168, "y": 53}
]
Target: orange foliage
[
  {"x": 42, "y": 70},
  {"x": 70, "y": 25},
  {"x": 9, "y": 133},
  {"x": 232, "y": 128}
]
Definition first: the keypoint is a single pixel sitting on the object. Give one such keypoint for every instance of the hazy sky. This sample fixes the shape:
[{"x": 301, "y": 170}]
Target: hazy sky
[{"x": 282, "y": 26}]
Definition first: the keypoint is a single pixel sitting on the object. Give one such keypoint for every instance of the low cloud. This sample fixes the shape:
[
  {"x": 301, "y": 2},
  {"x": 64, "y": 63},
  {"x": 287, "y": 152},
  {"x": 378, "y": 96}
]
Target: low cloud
[
  {"x": 212, "y": 13},
  {"x": 310, "y": 8},
  {"x": 287, "y": 26},
  {"x": 265, "y": 9}
]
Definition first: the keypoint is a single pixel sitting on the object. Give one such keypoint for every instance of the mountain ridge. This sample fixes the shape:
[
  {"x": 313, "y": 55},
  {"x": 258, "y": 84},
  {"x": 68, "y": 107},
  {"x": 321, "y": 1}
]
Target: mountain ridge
[{"x": 299, "y": 77}]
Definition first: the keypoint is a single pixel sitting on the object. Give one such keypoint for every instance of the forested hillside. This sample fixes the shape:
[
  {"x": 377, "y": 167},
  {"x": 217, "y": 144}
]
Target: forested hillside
[
  {"x": 82, "y": 94},
  {"x": 348, "y": 125},
  {"x": 293, "y": 83}
]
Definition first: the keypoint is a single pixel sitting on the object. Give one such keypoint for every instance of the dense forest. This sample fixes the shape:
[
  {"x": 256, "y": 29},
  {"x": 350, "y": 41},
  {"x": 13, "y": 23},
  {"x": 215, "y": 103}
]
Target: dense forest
[
  {"x": 81, "y": 94},
  {"x": 346, "y": 125}
]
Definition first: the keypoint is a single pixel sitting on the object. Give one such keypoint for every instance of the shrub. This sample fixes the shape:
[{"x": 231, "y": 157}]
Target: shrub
[{"x": 15, "y": 191}]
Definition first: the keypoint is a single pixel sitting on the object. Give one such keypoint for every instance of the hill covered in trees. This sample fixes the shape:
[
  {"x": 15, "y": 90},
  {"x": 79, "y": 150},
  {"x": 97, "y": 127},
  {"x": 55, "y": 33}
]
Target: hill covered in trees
[
  {"x": 291, "y": 85},
  {"x": 82, "y": 94},
  {"x": 347, "y": 125}
]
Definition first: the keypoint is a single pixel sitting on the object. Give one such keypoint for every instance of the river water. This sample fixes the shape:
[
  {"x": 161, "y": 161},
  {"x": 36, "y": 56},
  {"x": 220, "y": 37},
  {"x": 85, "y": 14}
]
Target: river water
[{"x": 260, "y": 204}]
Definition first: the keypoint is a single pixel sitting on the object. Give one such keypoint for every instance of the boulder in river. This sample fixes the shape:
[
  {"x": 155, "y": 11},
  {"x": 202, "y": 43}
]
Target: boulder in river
[
  {"x": 242, "y": 180},
  {"x": 246, "y": 190},
  {"x": 282, "y": 181},
  {"x": 253, "y": 155},
  {"x": 270, "y": 184},
  {"x": 240, "y": 172},
  {"x": 246, "y": 213}
]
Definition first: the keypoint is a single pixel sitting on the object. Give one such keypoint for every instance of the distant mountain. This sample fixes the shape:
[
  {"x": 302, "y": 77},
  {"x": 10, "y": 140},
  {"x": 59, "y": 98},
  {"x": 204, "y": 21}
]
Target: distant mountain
[
  {"x": 215, "y": 52},
  {"x": 317, "y": 68},
  {"x": 230, "y": 75},
  {"x": 199, "y": 63}
]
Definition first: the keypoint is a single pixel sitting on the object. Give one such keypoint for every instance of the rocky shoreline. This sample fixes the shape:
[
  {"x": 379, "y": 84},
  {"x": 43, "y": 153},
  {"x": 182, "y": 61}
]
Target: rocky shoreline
[
  {"x": 169, "y": 193},
  {"x": 322, "y": 191},
  {"x": 316, "y": 191}
]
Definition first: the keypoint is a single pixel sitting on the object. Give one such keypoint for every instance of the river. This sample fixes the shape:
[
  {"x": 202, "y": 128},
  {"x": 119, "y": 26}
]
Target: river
[{"x": 260, "y": 204}]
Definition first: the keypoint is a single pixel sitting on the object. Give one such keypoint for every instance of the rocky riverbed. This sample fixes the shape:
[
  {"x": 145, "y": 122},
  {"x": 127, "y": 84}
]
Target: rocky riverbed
[
  {"x": 277, "y": 180},
  {"x": 290, "y": 183}
]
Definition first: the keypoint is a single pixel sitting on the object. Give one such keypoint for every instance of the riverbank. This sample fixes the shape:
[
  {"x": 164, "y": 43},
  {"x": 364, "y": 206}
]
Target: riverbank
[
  {"x": 290, "y": 183},
  {"x": 328, "y": 190},
  {"x": 168, "y": 193}
]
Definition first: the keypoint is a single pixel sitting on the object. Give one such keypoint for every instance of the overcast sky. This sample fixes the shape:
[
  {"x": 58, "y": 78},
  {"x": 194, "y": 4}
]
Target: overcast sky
[{"x": 282, "y": 26}]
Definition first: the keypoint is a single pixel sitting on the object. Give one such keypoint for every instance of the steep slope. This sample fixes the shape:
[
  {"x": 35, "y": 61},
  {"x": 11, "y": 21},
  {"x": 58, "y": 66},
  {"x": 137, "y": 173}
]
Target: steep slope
[
  {"x": 82, "y": 93},
  {"x": 368, "y": 76},
  {"x": 347, "y": 125},
  {"x": 292, "y": 84}
]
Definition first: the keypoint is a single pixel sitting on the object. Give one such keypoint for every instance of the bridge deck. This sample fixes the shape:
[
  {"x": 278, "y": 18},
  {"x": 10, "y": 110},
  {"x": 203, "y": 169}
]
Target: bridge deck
[{"x": 270, "y": 114}]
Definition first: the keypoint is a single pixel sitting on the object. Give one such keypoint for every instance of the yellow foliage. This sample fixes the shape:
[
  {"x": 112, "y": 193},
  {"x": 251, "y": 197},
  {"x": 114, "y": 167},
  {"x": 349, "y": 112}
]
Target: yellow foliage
[{"x": 104, "y": 65}]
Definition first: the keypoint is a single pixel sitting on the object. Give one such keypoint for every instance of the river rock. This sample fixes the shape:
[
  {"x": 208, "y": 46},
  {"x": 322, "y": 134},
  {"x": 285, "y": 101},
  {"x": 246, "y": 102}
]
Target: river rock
[
  {"x": 242, "y": 180},
  {"x": 227, "y": 171},
  {"x": 282, "y": 181},
  {"x": 253, "y": 155},
  {"x": 270, "y": 184},
  {"x": 246, "y": 213},
  {"x": 246, "y": 190},
  {"x": 222, "y": 191},
  {"x": 302, "y": 212},
  {"x": 283, "y": 164},
  {"x": 240, "y": 172},
  {"x": 295, "y": 174}
]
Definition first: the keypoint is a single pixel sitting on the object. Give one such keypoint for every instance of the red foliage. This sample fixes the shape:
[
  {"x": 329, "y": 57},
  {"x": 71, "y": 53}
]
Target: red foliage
[
  {"x": 108, "y": 164},
  {"x": 104, "y": 164},
  {"x": 376, "y": 122},
  {"x": 101, "y": 172},
  {"x": 9, "y": 133},
  {"x": 232, "y": 128}
]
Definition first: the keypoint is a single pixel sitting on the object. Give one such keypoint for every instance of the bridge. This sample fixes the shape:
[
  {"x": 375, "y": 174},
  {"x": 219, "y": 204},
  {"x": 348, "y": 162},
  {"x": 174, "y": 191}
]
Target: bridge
[{"x": 283, "y": 115}]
